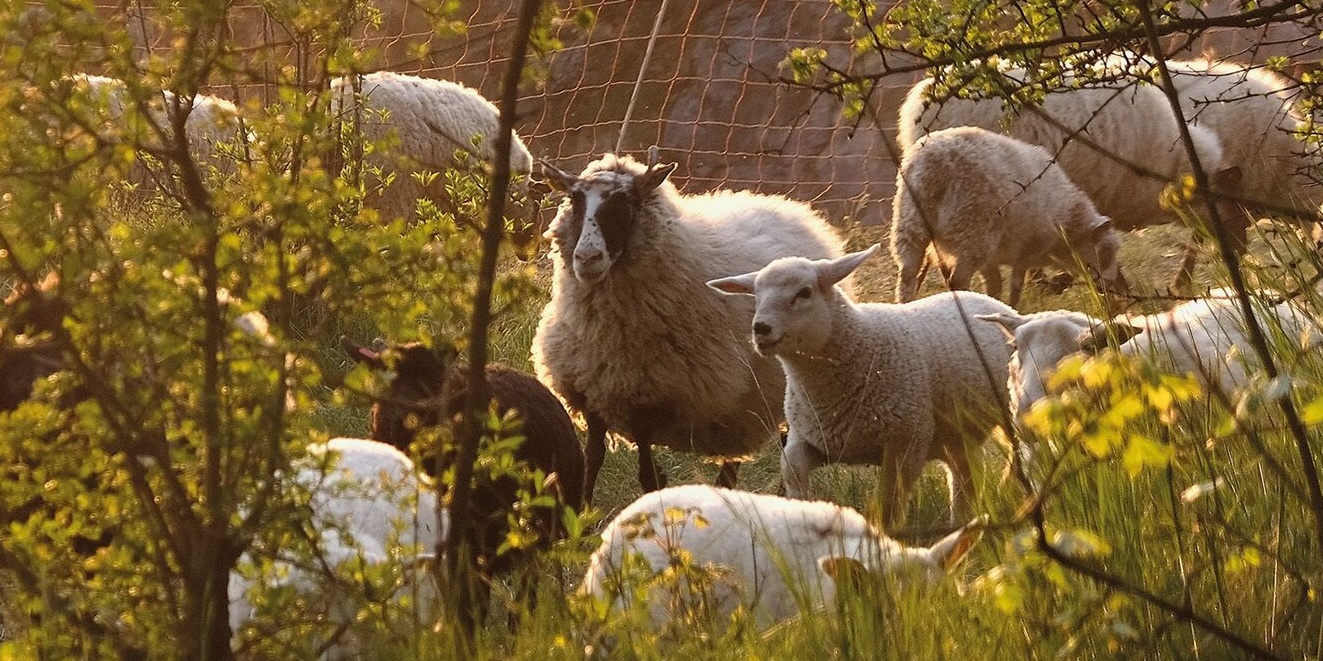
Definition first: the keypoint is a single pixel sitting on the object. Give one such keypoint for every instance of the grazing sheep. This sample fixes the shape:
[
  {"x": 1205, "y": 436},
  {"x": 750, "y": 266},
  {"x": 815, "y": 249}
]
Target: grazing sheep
[
  {"x": 769, "y": 554},
  {"x": 894, "y": 385},
  {"x": 212, "y": 126},
  {"x": 431, "y": 119},
  {"x": 1131, "y": 122},
  {"x": 633, "y": 339},
  {"x": 1205, "y": 337},
  {"x": 368, "y": 505},
  {"x": 1251, "y": 112},
  {"x": 430, "y": 387},
  {"x": 982, "y": 200}
]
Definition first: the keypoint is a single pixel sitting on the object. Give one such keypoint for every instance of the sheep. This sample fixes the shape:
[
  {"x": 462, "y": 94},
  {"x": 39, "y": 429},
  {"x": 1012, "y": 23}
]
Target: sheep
[
  {"x": 1205, "y": 337},
  {"x": 893, "y": 385},
  {"x": 213, "y": 127},
  {"x": 430, "y": 387},
  {"x": 431, "y": 119},
  {"x": 631, "y": 337},
  {"x": 1131, "y": 124},
  {"x": 368, "y": 504},
  {"x": 983, "y": 199},
  {"x": 770, "y": 554}
]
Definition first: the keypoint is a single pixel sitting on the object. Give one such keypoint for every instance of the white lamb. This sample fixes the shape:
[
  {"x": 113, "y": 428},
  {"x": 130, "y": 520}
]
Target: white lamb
[
  {"x": 430, "y": 120},
  {"x": 1131, "y": 122},
  {"x": 982, "y": 200},
  {"x": 894, "y": 385},
  {"x": 1205, "y": 337},
  {"x": 632, "y": 337},
  {"x": 368, "y": 505},
  {"x": 773, "y": 555}
]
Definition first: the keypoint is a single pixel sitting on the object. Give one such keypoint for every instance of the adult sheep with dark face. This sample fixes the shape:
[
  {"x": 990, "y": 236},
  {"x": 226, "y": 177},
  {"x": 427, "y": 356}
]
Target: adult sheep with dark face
[
  {"x": 634, "y": 339},
  {"x": 429, "y": 388}
]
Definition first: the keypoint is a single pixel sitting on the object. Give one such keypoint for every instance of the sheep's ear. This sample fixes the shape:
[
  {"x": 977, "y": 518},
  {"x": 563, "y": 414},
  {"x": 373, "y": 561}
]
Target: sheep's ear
[
  {"x": 1094, "y": 338},
  {"x": 1007, "y": 322},
  {"x": 1100, "y": 225},
  {"x": 950, "y": 550},
  {"x": 836, "y": 270},
  {"x": 844, "y": 571},
  {"x": 655, "y": 175},
  {"x": 735, "y": 284},
  {"x": 558, "y": 178},
  {"x": 362, "y": 354}
]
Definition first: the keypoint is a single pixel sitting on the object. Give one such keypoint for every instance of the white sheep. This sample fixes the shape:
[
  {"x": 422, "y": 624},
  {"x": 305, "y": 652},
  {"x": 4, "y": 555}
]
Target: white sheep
[
  {"x": 430, "y": 120},
  {"x": 632, "y": 337},
  {"x": 213, "y": 126},
  {"x": 773, "y": 555},
  {"x": 1251, "y": 112},
  {"x": 894, "y": 385},
  {"x": 1205, "y": 337},
  {"x": 1131, "y": 122},
  {"x": 982, "y": 200},
  {"x": 368, "y": 504}
]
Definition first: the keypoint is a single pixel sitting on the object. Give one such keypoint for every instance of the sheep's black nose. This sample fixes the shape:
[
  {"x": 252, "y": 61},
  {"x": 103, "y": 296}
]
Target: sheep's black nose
[{"x": 760, "y": 328}]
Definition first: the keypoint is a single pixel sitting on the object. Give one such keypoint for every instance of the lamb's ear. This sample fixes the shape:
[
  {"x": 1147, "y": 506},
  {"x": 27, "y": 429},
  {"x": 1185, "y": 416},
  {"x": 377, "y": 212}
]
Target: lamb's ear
[
  {"x": 558, "y": 178},
  {"x": 836, "y": 270},
  {"x": 362, "y": 354},
  {"x": 656, "y": 174},
  {"x": 1094, "y": 338},
  {"x": 735, "y": 284},
  {"x": 1007, "y": 322},
  {"x": 844, "y": 571},
  {"x": 950, "y": 550},
  {"x": 1099, "y": 225}
]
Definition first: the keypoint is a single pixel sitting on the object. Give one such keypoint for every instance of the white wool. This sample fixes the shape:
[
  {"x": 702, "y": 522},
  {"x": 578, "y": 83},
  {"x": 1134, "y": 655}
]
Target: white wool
[
  {"x": 983, "y": 200},
  {"x": 877, "y": 383},
  {"x": 368, "y": 503},
  {"x": 763, "y": 551},
  {"x": 212, "y": 124},
  {"x": 648, "y": 333},
  {"x": 1132, "y": 121},
  {"x": 429, "y": 119},
  {"x": 1205, "y": 338}
]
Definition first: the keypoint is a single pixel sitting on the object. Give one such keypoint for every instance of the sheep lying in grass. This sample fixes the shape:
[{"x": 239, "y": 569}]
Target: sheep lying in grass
[
  {"x": 429, "y": 388},
  {"x": 1131, "y": 124},
  {"x": 877, "y": 383},
  {"x": 430, "y": 120},
  {"x": 982, "y": 200},
  {"x": 1205, "y": 337},
  {"x": 773, "y": 555},
  {"x": 368, "y": 506},
  {"x": 633, "y": 339}
]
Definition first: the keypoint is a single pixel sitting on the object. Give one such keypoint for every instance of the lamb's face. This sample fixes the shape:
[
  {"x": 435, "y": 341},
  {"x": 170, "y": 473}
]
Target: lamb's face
[
  {"x": 1039, "y": 342},
  {"x": 792, "y": 311},
  {"x": 795, "y": 301}
]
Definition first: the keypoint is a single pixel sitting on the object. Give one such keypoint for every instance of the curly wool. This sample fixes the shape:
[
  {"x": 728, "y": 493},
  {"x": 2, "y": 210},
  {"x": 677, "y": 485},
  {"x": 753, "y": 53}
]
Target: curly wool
[
  {"x": 983, "y": 200},
  {"x": 429, "y": 119},
  {"x": 650, "y": 336},
  {"x": 1133, "y": 122}
]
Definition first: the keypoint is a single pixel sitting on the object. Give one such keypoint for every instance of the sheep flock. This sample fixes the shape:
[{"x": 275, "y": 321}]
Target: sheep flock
[{"x": 727, "y": 324}]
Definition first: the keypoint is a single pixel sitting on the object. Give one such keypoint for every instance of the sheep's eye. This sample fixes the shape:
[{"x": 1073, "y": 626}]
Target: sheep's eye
[{"x": 803, "y": 294}]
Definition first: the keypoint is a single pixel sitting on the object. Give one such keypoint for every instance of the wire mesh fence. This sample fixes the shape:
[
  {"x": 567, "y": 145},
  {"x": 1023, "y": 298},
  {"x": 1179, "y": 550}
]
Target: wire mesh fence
[{"x": 711, "y": 95}]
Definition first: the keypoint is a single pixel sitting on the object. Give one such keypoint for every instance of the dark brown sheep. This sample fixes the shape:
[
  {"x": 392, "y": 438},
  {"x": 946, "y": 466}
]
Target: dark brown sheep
[{"x": 429, "y": 389}]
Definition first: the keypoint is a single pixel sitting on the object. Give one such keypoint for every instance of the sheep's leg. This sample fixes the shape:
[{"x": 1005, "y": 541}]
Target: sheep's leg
[
  {"x": 912, "y": 268},
  {"x": 594, "y": 454},
  {"x": 1017, "y": 286},
  {"x": 650, "y": 478},
  {"x": 901, "y": 468},
  {"x": 797, "y": 460},
  {"x": 956, "y": 457},
  {"x": 959, "y": 277},
  {"x": 992, "y": 281},
  {"x": 727, "y": 475}
]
